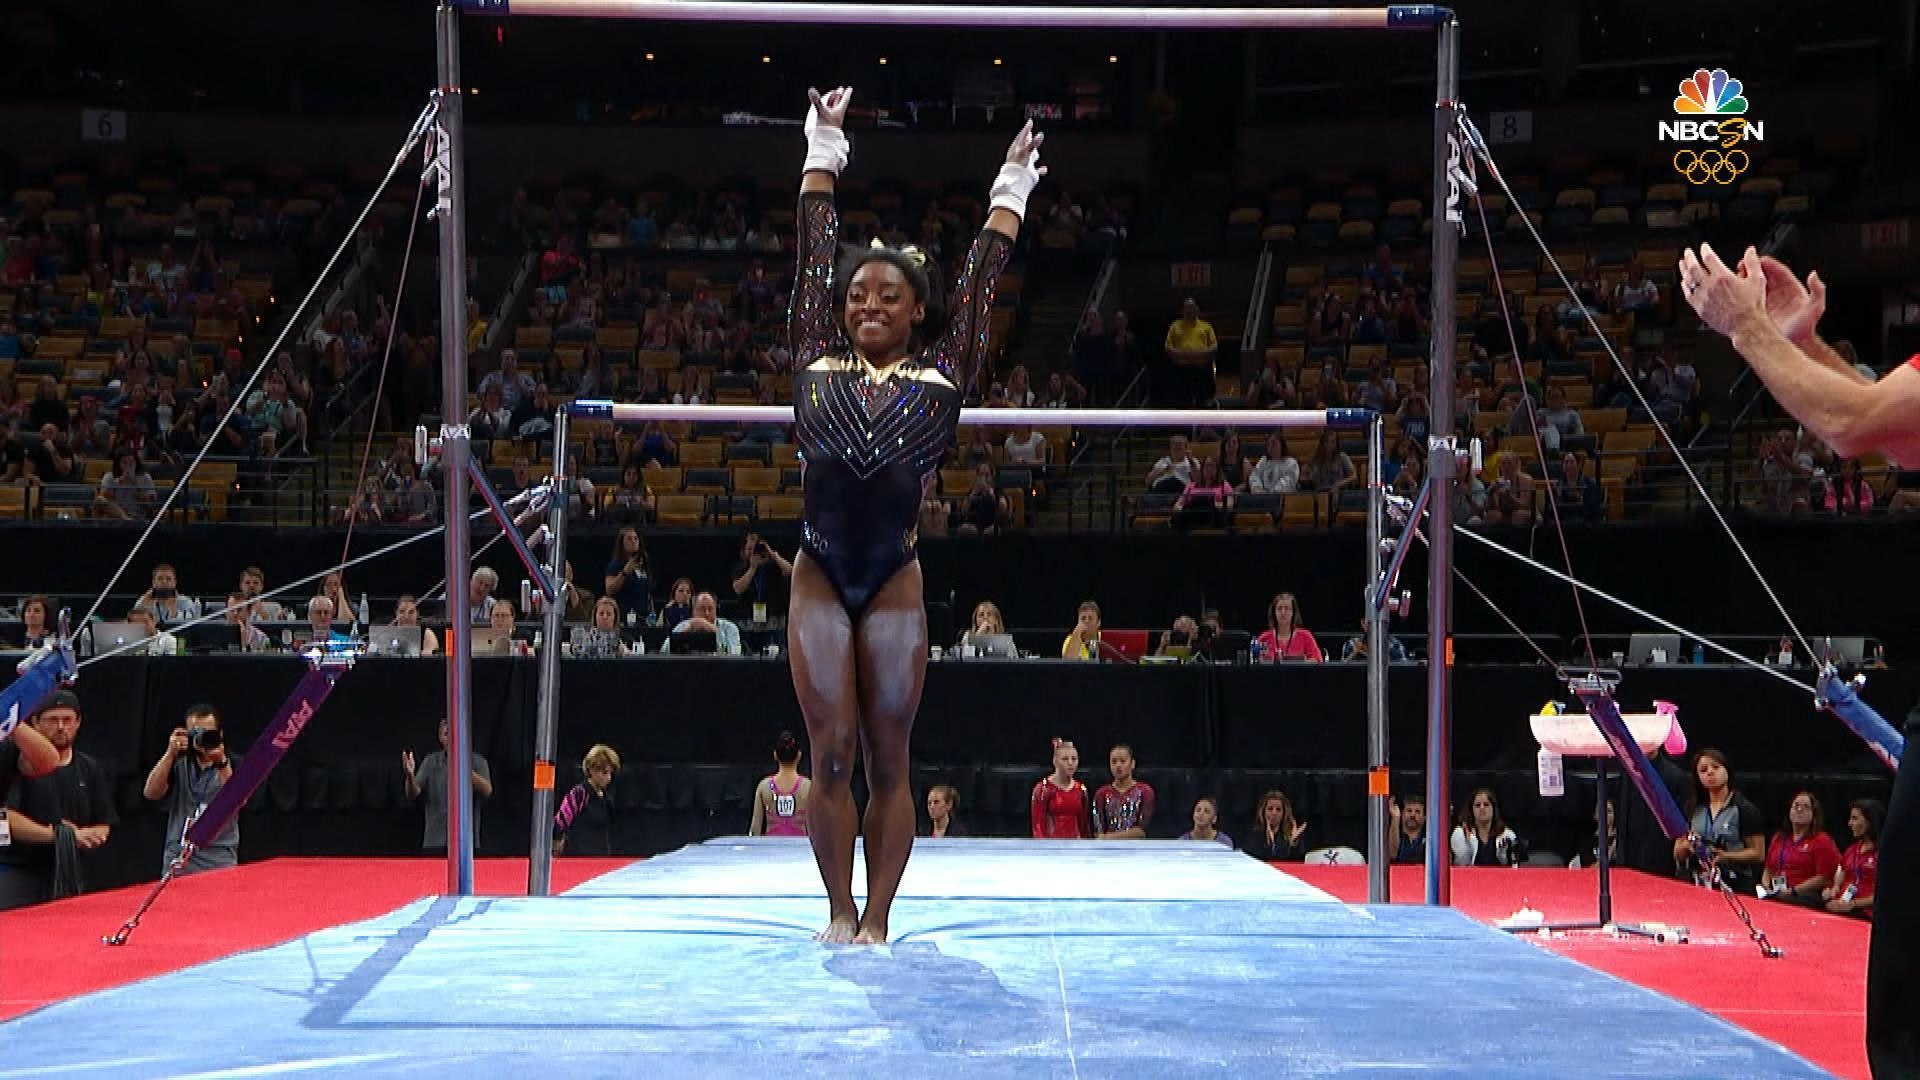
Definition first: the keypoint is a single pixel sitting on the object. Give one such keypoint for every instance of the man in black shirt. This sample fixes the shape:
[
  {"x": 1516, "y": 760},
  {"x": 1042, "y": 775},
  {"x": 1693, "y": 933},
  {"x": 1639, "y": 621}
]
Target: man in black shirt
[
  {"x": 51, "y": 818},
  {"x": 760, "y": 577}
]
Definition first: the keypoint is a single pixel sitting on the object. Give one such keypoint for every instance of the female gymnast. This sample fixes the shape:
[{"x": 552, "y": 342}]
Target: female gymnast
[{"x": 876, "y": 403}]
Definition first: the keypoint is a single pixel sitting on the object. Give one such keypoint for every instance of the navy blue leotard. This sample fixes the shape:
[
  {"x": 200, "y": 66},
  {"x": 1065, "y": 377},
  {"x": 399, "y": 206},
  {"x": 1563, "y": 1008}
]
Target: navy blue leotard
[{"x": 869, "y": 450}]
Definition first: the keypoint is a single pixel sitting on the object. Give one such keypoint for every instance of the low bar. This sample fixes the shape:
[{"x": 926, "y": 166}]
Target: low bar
[
  {"x": 622, "y": 413},
  {"x": 1025, "y": 17}
]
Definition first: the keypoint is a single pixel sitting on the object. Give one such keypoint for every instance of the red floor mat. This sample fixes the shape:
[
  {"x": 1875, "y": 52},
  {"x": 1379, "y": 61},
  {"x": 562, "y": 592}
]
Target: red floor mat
[
  {"x": 53, "y": 952},
  {"x": 1812, "y": 1000}
]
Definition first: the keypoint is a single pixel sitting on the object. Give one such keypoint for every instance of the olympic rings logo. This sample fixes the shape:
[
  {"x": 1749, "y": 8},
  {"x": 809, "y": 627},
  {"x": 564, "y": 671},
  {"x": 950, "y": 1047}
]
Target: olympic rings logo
[{"x": 1711, "y": 166}]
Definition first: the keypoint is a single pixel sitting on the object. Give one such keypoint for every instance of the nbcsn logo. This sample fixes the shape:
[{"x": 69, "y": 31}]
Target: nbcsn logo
[{"x": 1718, "y": 95}]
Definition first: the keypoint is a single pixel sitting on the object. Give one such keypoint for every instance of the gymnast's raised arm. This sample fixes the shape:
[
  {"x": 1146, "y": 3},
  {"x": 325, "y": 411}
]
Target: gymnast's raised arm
[
  {"x": 813, "y": 330},
  {"x": 961, "y": 350}
]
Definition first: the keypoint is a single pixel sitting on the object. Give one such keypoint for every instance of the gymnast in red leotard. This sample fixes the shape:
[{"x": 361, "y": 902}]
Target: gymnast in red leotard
[{"x": 1062, "y": 809}]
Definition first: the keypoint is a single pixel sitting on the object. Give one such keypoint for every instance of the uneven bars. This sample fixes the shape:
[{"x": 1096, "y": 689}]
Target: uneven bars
[
  {"x": 1024, "y": 17},
  {"x": 622, "y": 413}
]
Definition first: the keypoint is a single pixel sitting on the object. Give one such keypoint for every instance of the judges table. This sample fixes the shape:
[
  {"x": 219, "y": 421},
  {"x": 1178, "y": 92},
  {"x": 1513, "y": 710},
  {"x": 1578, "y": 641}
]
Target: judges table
[
  {"x": 695, "y": 732},
  {"x": 729, "y": 709}
]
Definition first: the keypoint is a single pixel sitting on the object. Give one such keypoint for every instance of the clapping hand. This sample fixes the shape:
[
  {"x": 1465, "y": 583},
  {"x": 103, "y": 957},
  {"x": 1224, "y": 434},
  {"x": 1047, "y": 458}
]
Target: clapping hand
[
  {"x": 1298, "y": 828},
  {"x": 1719, "y": 294},
  {"x": 406, "y": 761},
  {"x": 1794, "y": 307}
]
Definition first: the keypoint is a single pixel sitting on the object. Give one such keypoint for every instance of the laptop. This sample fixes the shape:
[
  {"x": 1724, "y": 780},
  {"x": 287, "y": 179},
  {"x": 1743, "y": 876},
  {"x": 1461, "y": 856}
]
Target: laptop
[
  {"x": 997, "y": 645},
  {"x": 492, "y": 642},
  {"x": 108, "y": 636},
  {"x": 1842, "y": 651},
  {"x": 1129, "y": 644},
  {"x": 394, "y": 641},
  {"x": 1644, "y": 649},
  {"x": 693, "y": 642}
]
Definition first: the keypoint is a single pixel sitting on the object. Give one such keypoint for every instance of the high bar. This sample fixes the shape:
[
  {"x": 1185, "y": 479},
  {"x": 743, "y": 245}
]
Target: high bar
[
  {"x": 623, "y": 413},
  {"x": 1025, "y": 17}
]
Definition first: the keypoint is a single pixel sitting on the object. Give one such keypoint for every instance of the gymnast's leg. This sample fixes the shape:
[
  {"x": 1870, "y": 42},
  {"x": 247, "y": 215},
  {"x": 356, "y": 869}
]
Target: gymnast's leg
[
  {"x": 891, "y": 643},
  {"x": 820, "y": 652},
  {"x": 1893, "y": 957}
]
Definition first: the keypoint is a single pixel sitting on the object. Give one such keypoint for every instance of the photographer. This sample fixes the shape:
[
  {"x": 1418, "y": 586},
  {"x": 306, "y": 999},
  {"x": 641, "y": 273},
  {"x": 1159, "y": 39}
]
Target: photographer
[
  {"x": 193, "y": 769},
  {"x": 760, "y": 577}
]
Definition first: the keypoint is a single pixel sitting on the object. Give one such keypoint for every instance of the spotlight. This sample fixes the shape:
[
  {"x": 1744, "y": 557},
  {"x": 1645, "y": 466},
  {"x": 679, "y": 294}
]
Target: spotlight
[
  {"x": 1113, "y": 59},
  {"x": 883, "y": 61},
  {"x": 766, "y": 59},
  {"x": 997, "y": 61},
  {"x": 649, "y": 58}
]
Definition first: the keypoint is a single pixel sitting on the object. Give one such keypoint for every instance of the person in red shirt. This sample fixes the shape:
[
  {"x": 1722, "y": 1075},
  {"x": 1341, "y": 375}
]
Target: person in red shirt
[
  {"x": 1285, "y": 638},
  {"x": 1123, "y": 809},
  {"x": 1852, "y": 890},
  {"x": 1061, "y": 808},
  {"x": 1802, "y": 858}
]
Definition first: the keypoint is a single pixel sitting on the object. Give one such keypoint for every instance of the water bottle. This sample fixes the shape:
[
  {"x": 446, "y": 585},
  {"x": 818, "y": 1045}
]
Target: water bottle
[
  {"x": 1699, "y": 653},
  {"x": 366, "y": 617},
  {"x": 1786, "y": 653},
  {"x": 526, "y": 596},
  {"x": 1553, "y": 778},
  {"x": 539, "y": 639},
  {"x": 1847, "y": 894},
  {"x": 1255, "y": 650}
]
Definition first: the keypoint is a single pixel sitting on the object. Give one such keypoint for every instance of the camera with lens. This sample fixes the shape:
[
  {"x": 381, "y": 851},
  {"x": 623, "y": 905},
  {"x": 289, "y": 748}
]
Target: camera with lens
[{"x": 205, "y": 740}]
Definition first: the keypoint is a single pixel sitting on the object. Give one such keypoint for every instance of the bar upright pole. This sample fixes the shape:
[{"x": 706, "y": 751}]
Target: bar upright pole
[
  {"x": 1449, "y": 205},
  {"x": 450, "y": 210},
  {"x": 1379, "y": 855},
  {"x": 547, "y": 724}
]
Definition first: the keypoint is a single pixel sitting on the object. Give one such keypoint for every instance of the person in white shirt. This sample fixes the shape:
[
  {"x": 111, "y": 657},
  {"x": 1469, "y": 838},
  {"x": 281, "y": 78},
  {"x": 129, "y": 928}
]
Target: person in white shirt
[
  {"x": 1558, "y": 417},
  {"x": 1173, "y": 471},
  {"x": 159, "y": 642},
  {"x": 1278, "y": 473},
  {"x": 706, "y": 616},
  {"x": 1026, "y": 447}
]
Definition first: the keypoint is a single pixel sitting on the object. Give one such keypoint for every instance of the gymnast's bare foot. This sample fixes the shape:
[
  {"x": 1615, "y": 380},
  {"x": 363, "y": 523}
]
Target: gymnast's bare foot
[
  {"x": 840, "y": 931},
  {"x": 871, "y": 933}
]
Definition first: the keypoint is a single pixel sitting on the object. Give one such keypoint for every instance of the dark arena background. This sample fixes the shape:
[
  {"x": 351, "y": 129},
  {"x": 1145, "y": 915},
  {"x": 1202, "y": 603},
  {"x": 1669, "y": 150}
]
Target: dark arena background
[{"x": 259, "y": 312}]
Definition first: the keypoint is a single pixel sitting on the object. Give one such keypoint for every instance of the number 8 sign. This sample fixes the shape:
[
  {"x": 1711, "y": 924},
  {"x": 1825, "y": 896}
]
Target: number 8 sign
[{"x": 1510, "y": 127}]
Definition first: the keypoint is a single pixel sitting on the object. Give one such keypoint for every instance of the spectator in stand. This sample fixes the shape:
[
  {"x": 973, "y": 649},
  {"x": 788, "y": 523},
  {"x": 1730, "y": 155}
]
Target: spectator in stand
[
  {"x": 1206, "y": 498},
  {"x": 1469, "y": 494},
  {"x": 253, "y": 583},
  {"x": 1852, "y": 890},
  {"x": 1407, "y": 324},
  {"x": 1285, "y": 638},
  {"x": 1063, "y": 392},
  {"x": 192, "y": 770},
  {"x": 1728, "y": 822},
  {"x": 36, "y": 622},
  {"x": 406, "y": 612},
  {"x": 1578, "y": 494},
  {"x": 127, "y": 493},
  {"x": 1370, "y": 324},
  {"x": 626, "y": 579},
  {"x": 1551, "y": 345},
  {"x": 49, "y": 406},
  {"x": 1026, "y": 447},
  {"x": 1636, "y": 292},
  {"x": 1558, "y": 418},
  {"x": 655, "y": 445},
  {"x": 13, "y": 454},
  {"x": 1020, "y": 388},
  {"x": 92, "y": 435},
  {"x": 1192, "y": 346},
  {"x": 583, "y": 825},
  {"x": 1172, "y": 473},
  {"x": 986, "y": 509},
  {"x": 1784, "y": 474},
  {"x": 164, "y": 600},
  {"x": 1206, "y": 813},
  {"x": 679, "y": 603},
  {"x": 1277, "y": 472},
  {"x": 1407, "y": 828},
  {"x": 633, "y": 502},
  {"x": 430, "y": 778},
  {"x": 1381, "y": 275},
  {"x": 1328, "y": 322},
  {"x": 54, "y": 816},
  {"x": 1851, "y": 494},
  {"x": 481, "y": 600},
  {"x": 706, "y": 617},
  {"x": 986, "y": 620},
  {"x": 1482, "y": 838},
  {"x": 761, "y": 575},
  {"x": 942, "y": 800},
  {"x": 492, "y": 421},
  {"x": 603, "y": 639},
  {"x": 1123, "y": 809},
  {"x": 1061, "y": 808},
  {"x": 270, "y": 411},
  {"x": 1330, "y": 468},
  {"x": 1355, "y": 649},
  {"x": 1083, "y": 642},
  {"x": 515, "y": 387},
  {"x": 1802, "y": 859},
  {"x": 1276, "y": 835},
  {"x": 1510, "y": 500},
  {"x": 246, "y": 637}
]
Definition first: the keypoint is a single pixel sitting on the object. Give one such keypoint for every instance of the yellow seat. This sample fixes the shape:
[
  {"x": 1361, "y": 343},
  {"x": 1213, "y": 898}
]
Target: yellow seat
[
  {"x": 682, "y": 509},
  {"x": 701, "y": 454},
  {"x": 661, "y": 478},
  {"x": 755, "y": 480},
  {"x": 956, "y": 483},
  {"x": 779, "y": 507}
]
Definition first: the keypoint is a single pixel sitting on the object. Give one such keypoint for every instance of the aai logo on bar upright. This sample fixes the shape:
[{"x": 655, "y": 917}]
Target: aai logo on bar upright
[{"x": 1719, "y": 102}]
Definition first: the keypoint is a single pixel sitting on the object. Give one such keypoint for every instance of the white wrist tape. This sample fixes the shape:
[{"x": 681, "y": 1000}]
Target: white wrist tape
[
  {"x": 828, "y": 148},
  {"x": 1013, "y": 186}
]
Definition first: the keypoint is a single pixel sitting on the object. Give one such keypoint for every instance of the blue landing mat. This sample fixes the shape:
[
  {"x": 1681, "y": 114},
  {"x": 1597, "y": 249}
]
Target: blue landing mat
[{"x": 1011, "y": 959}]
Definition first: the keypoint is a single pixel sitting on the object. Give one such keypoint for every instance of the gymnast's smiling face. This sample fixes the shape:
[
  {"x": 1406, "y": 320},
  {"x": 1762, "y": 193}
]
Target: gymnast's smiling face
[{"x": 882, "y": 310}]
